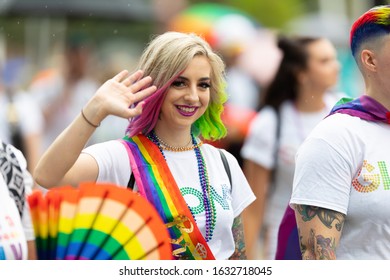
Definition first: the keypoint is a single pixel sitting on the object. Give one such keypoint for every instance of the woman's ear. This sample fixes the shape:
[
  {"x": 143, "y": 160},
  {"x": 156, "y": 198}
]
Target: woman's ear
[
  {"x": 368, "y": 60},
  {"x": 301, "y": 77}
]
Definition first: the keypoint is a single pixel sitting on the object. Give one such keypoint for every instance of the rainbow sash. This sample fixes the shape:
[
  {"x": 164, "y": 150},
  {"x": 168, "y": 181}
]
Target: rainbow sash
[{"x": 156, "y": 183}]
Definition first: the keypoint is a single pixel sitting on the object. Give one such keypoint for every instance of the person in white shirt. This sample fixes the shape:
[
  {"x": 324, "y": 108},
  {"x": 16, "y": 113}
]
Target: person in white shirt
[
  {"x": 62, "y": 91},
  {"x": 296, "y": 100},
  {"x": 341, "y": 185},
  {"x": 17, "y": 239}
]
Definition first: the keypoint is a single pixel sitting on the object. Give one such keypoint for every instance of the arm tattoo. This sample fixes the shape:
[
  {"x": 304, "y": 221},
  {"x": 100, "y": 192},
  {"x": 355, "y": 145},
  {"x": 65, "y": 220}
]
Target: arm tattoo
[
  {"x": 327, "y": 217},
  {"x": 238, "y": 235},
  {"x": 324, "y": 248},
  {"x": 317, "y": 246},
  {"x": 302, "y": 246}
]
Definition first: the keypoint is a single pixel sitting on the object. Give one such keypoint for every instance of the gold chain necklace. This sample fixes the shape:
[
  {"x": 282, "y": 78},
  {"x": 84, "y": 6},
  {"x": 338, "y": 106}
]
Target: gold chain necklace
[{"x": 170, "y": 148}]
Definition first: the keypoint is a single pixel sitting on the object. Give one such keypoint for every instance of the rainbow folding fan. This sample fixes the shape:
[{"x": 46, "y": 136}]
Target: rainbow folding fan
[{"x": 97, "y": 222}]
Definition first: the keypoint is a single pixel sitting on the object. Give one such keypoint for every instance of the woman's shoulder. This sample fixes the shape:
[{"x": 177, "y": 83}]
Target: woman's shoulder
[
  {"x": 112, "y": 147},
  {"x": 265, "y": 119},
  {"x": 216, "y": 152},
  {"x": 267, "y": 112},
  {"x": 116, "y": 144},
  {"x": 209, "y": 148}
]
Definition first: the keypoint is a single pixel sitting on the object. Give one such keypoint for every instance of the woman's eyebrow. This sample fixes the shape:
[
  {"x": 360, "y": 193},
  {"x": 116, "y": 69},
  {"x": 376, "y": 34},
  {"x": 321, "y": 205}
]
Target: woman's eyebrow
[{"x": 201, "y": 79}]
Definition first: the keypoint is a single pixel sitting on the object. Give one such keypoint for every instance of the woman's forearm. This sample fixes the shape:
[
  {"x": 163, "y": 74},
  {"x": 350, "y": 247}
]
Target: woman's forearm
[
  {"x": 258, "y": 178},
  {"x": 64, "y": 151}
]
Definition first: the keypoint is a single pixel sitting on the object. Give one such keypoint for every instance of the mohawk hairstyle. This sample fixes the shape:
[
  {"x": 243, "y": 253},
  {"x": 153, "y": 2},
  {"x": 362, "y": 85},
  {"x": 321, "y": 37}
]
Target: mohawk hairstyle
[{"x": 373, "y": 23}]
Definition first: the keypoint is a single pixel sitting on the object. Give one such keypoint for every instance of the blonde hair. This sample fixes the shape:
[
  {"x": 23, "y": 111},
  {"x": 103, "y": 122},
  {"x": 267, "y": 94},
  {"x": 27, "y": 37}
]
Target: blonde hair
[{"x": 165, "y": 57}]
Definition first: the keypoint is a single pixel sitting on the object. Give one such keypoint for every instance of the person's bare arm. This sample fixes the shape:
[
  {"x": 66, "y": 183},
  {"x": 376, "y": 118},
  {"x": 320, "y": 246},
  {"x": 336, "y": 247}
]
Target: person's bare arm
[
  {"x": 319, "y": 231},
  {"x": 258, "y": 178},
  {"x": 239, "y": 240},
  {"x": 63, "y": 163},
  {"x": 32, "y": 250},
  {"x": 32, "y": 142}
]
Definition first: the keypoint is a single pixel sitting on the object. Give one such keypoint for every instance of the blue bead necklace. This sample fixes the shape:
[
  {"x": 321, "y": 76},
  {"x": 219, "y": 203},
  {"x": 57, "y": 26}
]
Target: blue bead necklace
[{"x": 204, "y": 183}]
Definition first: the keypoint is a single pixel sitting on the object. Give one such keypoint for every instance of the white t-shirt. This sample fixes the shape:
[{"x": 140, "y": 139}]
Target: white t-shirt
[
  {"x": 344, "y": 166},
  {"x": 14, "y": 231},
  {"x": 29, "y": 116},
  {"x": 114, "y": 167},
  {"x": 260, "y": 146}
]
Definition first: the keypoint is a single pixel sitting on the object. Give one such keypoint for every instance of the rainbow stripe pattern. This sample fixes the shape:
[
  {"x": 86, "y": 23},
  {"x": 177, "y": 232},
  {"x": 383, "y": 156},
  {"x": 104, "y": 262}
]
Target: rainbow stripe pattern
[
  {"x": 97, "y": 221},
  {"x": 156, "y": 183},
  {"x": 364, "y": 107},
  {"x": 374, "y": 22}
]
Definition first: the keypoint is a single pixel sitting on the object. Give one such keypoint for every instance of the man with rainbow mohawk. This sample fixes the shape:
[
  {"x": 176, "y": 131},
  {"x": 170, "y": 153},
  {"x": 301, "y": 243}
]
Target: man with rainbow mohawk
[{"x": 341, "y": 189}]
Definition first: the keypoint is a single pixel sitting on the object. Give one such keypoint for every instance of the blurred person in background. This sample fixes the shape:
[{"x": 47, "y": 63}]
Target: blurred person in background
[
  {"x": 243, "y": 96},
  {"x": 61, "y": 92},
  {"x": 233, "y": 35},
  {"x": 21, "y": 120},
  {"x": 295, "y": 101},
  {"x": 17, "y": 240},
  {"x": 242, "y": 42},
  {"x": 341, "y": 188}
]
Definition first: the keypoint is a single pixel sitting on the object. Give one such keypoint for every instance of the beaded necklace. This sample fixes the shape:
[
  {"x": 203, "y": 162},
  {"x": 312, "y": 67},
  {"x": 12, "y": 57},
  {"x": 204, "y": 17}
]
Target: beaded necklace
[{"x": 204, "y": 183}]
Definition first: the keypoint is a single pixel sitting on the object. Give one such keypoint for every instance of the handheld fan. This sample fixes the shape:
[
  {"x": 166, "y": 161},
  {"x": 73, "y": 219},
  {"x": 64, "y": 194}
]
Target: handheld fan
[{"x": 97, "y": 221}]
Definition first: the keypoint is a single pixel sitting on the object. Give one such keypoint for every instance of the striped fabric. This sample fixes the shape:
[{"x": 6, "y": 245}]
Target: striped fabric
[{"x": 156, "y": 183}]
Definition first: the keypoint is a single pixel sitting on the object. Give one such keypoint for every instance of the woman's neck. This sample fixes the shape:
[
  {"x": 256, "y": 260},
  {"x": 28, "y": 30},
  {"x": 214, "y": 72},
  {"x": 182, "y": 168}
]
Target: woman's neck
[
  {"x": 178, "y": 138},
  {"x": 310, "y": 101}
]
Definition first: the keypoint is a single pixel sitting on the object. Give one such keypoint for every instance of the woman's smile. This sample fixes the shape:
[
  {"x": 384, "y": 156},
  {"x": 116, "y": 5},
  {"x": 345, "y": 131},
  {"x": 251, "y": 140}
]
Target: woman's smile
[{"x": 186, "y": 111}]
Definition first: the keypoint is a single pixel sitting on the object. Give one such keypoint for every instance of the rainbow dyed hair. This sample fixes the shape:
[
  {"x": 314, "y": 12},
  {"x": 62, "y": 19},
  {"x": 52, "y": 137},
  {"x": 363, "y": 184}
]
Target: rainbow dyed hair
[
  {"x": 372, "y": 24},
  {"x": 164, "y": 59}
]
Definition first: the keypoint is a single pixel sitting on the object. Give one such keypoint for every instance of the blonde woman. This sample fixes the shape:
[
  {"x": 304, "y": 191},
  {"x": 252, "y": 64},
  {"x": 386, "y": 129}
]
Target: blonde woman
[{"x": 174, "y": 101}]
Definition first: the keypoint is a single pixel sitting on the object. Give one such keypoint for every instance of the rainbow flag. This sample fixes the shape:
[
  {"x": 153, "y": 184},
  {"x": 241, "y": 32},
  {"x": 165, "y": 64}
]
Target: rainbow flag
[
  {"x": 156, "y": 183},
  {"x": 364, "y": 107},
  {"x": 97, "y": 221}
]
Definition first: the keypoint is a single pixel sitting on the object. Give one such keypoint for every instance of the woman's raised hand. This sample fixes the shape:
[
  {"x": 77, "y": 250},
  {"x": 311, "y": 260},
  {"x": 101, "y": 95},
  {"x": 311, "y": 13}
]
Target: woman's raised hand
[
  {"x": 117, "y": 95},
  {"x": 59, "y": 166}
]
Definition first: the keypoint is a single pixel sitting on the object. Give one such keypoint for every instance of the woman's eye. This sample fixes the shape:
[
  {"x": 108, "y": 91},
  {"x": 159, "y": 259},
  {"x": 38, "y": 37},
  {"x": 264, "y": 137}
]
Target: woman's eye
[
  {"x": 178, "y": 84},
  {"x": 204, "y": 85}
]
